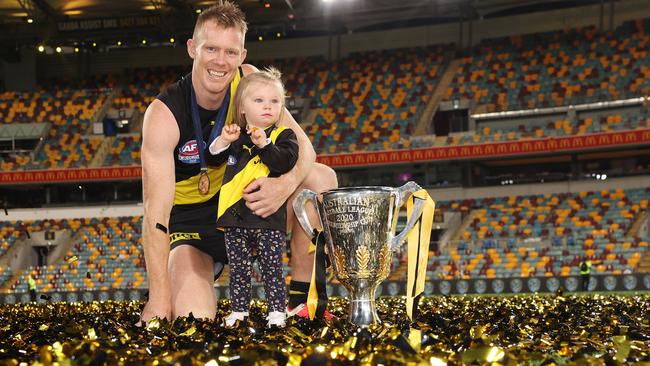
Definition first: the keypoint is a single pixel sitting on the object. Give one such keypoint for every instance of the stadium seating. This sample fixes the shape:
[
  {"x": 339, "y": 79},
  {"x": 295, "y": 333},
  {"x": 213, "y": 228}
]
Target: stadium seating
[
  {"x": 517, "y": 236},
  {"x": 106, "y": 254},
  {"x": 596, "y": 123},
  {"x": 69, "y": 111},
  {"x": 368, "y": 100},
  {"x": 98, "y": 81},
  {"x": 5, "y": 275},
  {"x": 545, "y": 235},
  {"x": 125, "y": 150},
  {"x": 144, "y": 85},
  {"x": 8, "y": 236},
  {"x": 12, "y": 231},
  {"x": 556, "y": 68}
]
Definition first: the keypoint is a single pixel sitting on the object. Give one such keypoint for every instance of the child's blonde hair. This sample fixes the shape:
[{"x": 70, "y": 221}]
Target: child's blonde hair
[{"x": 269, "y": 76}]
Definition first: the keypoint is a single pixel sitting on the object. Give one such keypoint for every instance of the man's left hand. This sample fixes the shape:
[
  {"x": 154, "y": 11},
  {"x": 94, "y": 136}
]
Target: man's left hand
[{"x": 264, "y": 196}]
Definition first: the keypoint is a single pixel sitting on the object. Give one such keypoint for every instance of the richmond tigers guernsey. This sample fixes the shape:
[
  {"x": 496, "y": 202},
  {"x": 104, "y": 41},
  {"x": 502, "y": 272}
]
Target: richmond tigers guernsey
[
  {"x": 192, "y": 209},
  {"x": 245, "y": 163}
]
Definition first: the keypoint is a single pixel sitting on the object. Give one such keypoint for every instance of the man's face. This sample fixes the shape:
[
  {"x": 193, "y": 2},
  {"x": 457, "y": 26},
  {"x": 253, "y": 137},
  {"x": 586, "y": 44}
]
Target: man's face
[{"x": 217, "y": 53}]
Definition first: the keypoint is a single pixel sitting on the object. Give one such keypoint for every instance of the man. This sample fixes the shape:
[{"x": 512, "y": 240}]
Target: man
[
  {"x": 180, "y": 186},
  {"x": 31, "y": 283},
  {"x": 585, "y": 273}
]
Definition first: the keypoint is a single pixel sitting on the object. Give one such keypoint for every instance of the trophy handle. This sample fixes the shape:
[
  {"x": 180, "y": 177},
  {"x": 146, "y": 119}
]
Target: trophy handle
[
  {"x": 403, "y": 193},
  {"x": 299, "y": 208}
]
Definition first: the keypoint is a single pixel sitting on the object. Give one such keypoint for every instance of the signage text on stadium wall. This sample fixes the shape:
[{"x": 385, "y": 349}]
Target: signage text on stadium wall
[
  {"x": 508, "y": 148},
  {"x": 71, "y": 175},
  {"x": 108, "y": 23}
]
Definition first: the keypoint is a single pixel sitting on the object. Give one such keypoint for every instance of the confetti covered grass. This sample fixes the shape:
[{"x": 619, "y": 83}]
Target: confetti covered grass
[{"x": 532, "y": 330}]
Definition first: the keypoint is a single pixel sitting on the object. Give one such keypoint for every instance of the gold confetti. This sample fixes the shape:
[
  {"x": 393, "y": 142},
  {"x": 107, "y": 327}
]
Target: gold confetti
[
  {"x": 189, "y": 332},
  {"x": 91, "y": 334},
  {"x": 153, "y": 324},
  {"x": 452, "y": 330}
]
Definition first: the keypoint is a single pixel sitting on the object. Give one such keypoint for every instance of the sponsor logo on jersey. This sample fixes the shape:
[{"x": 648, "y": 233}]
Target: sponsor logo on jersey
[
  {"x": 189, "y": 152},
  {"x": 232, "y": 160},
  {"x": 174, "y": 237}
]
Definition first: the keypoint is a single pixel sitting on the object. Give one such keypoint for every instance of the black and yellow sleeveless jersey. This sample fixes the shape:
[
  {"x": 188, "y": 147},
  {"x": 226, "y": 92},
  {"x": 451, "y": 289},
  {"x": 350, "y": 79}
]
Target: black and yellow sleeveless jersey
[
  {"x": 246, "y": 162},
  {"x": 190, "y": 207}
]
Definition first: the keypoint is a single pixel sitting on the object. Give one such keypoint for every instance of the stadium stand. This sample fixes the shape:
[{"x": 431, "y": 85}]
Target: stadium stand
[
  {"x": 106, "y": 254},
  {"x": 545, "y": 235},
  {"x": 368, "y": 100},
  {"x": 517, "y": 236},
  {"x": 125, "y": 150},
  {"x": 69, "y": 112},
  {"x": 371, "y": 100},
  {"x": 585, "y": 123},
  {"x": 144, "y": 84},
  {"x": 556, "y": 68},
  {"x": 5, "y": 275}
]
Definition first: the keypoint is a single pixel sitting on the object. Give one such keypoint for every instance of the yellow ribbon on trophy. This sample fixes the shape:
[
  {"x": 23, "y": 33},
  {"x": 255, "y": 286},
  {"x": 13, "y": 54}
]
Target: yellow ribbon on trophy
[{"x": 418, "y": 250}]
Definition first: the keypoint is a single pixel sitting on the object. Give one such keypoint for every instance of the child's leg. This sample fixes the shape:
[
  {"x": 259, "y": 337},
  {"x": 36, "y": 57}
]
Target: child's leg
[
  {"x": 239, "y": 258},
  {"x": 271, "y": 244}
]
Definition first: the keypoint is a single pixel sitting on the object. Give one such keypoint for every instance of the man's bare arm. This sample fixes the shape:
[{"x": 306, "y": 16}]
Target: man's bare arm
[
  {"x": 160, "y": 136},
  {"x": 264, "y": 196},
  {"x": 306, "y": 154}
]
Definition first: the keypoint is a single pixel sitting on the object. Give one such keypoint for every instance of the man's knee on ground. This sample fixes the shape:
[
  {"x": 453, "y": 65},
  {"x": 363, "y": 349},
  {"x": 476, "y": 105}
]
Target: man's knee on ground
[
  {"x": 321, "y": 178},
  {"x": 191, "y": 276}
]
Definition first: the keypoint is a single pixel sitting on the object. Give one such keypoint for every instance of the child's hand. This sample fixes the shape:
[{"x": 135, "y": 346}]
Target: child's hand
[
  {"x": 230, "y": 133},
  {"x": 258, "y": 136}
]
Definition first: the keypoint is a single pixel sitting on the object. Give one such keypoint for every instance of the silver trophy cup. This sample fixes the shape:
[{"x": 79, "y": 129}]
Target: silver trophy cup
[{"x": 359, "y": 226}]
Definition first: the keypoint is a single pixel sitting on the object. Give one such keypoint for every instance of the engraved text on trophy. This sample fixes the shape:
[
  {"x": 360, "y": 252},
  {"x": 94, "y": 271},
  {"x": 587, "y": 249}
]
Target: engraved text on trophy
[{"x": 347, "y": 213}]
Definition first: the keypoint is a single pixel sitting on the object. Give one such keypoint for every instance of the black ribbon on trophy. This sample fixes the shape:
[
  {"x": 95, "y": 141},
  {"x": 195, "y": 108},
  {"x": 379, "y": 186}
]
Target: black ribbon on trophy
[
  {"x": 317, "y": 295},
  {"x": 204, "y": 179}
]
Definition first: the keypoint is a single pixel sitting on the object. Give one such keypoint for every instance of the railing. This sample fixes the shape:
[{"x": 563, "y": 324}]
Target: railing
[
  {"x": 451, "y": 227},
  {"x": 573, "y": 101},
  {"x": 533, "y": 242}
]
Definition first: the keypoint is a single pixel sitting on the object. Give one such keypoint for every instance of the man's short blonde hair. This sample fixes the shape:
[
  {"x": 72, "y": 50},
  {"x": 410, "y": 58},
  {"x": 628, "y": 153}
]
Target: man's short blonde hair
[
  {"x": 268, "y": 76},
  {"x": 225, "y": 14}
]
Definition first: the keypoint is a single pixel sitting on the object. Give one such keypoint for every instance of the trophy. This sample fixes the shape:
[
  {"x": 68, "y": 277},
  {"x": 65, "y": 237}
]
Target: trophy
[{"x": 359, "y": 226}]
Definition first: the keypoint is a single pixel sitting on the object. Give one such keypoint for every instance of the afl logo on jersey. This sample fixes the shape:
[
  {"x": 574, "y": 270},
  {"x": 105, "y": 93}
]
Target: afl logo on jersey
[{"x": 189, "y": 153}]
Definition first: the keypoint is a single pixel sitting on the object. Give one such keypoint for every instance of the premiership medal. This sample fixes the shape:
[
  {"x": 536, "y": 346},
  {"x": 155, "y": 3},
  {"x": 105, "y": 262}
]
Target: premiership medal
[{"x": 204, "y": 182}]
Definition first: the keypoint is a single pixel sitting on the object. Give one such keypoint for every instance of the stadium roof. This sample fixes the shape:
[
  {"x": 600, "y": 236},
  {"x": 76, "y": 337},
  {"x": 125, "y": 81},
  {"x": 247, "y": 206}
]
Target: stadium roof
[{"x": 63, "y": 20}]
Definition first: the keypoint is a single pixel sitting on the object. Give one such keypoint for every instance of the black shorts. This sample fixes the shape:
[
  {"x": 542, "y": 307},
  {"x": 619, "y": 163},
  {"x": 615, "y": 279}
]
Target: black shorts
[{"x": 206, "y": 239}]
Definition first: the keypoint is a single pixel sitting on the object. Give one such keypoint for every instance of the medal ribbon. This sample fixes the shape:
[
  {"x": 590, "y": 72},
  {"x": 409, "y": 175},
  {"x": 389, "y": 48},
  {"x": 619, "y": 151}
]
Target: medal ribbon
[{"x": 216, "y": 129}]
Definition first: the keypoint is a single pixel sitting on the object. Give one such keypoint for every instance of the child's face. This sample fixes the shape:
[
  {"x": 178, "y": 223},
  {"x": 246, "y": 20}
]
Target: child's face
[{"x": 262, "y": 105}]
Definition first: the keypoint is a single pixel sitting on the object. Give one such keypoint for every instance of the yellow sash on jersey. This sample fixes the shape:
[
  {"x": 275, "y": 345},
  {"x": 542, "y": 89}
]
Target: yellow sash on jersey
[
  {"x": 232, "y": 191},
  {"x": 186, "y": 191}
]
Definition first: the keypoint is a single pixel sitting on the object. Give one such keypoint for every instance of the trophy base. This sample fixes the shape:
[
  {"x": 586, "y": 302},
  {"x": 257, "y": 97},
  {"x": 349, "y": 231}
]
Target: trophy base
[{"x": 363, "y": 313}]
